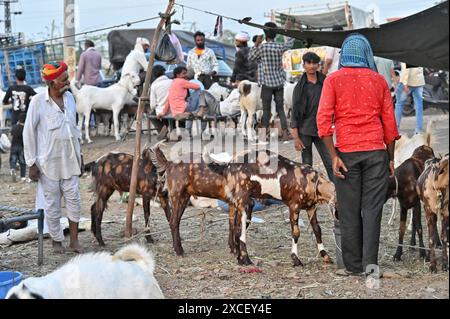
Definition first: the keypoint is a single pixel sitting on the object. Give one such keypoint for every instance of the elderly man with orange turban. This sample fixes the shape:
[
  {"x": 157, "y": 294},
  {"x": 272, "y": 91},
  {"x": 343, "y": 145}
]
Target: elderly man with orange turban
[{"x": 52, "y": 151}]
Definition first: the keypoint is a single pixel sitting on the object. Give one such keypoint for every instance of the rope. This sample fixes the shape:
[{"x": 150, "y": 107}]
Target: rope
[
  {"x": 207, "y": 12},
  {"x": 126, "y": 24}
]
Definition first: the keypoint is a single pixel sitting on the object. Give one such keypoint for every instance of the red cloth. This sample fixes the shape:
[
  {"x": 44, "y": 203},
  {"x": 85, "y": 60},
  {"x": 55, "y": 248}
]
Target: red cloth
[
  {"x": 177, "y": 96},
  {"x": 359, "y": 104},
  {"x": 52, "y": 70}
]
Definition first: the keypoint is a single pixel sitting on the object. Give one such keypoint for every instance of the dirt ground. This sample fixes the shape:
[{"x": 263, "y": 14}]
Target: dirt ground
[{"x": 209, "y": 271}]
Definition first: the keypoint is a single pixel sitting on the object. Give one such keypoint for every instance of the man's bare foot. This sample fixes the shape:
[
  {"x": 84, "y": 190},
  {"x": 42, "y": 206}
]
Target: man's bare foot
[
  {"x": 75, "y": 247},
  {"x": 58, "y": 247}
]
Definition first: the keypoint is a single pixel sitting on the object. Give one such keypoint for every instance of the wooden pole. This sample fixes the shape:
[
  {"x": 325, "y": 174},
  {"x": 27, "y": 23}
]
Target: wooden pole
[{"x": 140, "y": 112}]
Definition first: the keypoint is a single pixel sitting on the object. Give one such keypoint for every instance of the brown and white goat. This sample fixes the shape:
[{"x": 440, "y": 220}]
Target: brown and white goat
[
  {"x": 403, "y": 187},
  {"x": 112, "y": 172},
  {"x": 296, "y": 185},
  {"x": 191, "y": 177},
  {"x": 432, "y": 187}
]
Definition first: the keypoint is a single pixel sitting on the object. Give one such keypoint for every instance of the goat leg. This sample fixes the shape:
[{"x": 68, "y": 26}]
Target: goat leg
[{"x": 401, "y": 233}]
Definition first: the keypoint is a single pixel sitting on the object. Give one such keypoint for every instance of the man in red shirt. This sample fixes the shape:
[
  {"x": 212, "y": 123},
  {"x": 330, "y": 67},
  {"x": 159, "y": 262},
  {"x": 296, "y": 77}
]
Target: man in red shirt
[{"x": 356, "y": 104}]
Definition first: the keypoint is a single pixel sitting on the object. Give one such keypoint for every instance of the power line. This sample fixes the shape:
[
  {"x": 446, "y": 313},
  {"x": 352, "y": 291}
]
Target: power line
[
  {"x": 208, "y": 12},
  {"x": 127, "y": 24}
]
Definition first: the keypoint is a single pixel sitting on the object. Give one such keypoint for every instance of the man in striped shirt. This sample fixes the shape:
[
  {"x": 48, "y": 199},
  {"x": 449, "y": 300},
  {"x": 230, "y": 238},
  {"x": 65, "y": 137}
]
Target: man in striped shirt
[{"x": 272, "y": 76}]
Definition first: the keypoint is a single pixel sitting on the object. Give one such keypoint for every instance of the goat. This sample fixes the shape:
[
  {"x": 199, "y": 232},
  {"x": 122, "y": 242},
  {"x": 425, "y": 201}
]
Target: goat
[
  {"x": 433, "y": 190},
  {"x": 403, "y": 186},
  {"x": 113, "y": 172},
  {"x": 251, "y": 104},
  {"x": 405, "y": 146},
  {"x": 186, "y": 179},
  {"x": 288, "y": 94},
  {"x": 298, "y": 186},
  {"x": 112, "y": 98},
  {"x": 234, "y": 184},
  {"x": 128, "y": 274}
]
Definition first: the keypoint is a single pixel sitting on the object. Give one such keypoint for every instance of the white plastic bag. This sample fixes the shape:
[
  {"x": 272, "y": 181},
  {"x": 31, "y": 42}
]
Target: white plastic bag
[{"x": 5, "y": 144}]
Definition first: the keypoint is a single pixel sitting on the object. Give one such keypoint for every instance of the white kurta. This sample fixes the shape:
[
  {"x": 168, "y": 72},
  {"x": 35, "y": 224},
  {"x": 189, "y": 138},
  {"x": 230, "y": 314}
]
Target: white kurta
[
  {"x": 51, "y": 141},
  {"x": 135, "y": 61}
]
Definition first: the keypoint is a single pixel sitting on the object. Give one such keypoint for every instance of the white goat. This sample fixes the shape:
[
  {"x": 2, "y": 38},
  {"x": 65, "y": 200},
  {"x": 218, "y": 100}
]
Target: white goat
[
  {"x": 112, "y": 98},
  {"x": 251, "y": 105},
  {"x": 288, "y": 93},
  {"x": 406, "y": 145},
  {"x": 126, "y": 275}
]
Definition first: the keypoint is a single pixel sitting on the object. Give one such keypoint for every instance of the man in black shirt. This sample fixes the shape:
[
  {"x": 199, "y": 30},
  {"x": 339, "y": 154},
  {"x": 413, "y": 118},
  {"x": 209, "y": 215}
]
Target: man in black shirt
[
  {"x": 16, "y": 153},
  {"x": 305, "y": 102},
  {"x": 20, "y": 95}
]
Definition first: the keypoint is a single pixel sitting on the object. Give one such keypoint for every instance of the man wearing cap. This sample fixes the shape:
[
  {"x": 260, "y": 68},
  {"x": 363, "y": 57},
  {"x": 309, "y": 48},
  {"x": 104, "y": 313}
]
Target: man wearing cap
[
  {"x": 242, "y": 66},
  {"x": 136, "y": 60},
  {"x": 52, "y": 151}
]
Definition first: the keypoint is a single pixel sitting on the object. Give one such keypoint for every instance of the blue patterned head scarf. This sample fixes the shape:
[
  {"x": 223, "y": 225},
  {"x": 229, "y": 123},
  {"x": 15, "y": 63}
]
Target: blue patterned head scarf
[{"x": 357, "y": 52}]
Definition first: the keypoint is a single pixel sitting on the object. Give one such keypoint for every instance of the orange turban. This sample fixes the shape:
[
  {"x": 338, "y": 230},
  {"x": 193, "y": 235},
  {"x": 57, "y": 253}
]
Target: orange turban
[{"x": 52, "y": 70}]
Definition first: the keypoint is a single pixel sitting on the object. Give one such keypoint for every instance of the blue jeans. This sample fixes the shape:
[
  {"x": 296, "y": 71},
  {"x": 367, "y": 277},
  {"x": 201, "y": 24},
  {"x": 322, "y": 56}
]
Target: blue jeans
[
  {"x": 401, "y": 96},
  {"x": 192, "y": 106},
  {"x": 15, "y": 156}
]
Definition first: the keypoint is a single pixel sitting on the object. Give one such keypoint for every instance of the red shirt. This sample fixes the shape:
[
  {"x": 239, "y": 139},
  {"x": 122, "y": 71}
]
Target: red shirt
[
  {"x": 177, "y": 96},
  {"x": 359, "y": 104}
]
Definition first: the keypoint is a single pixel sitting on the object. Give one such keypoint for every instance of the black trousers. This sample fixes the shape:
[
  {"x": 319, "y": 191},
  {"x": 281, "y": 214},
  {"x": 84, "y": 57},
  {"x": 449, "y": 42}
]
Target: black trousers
[
  {"x": 307, "y": 153},
  {"x": 361, "y": 196},
  {"x": 266, "y": 96}
]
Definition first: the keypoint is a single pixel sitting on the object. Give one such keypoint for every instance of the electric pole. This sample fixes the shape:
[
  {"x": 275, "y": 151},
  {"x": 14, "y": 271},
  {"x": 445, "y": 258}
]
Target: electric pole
[
  {"x": 8, "y": 13},
  {"x": 69, "y": 38}
]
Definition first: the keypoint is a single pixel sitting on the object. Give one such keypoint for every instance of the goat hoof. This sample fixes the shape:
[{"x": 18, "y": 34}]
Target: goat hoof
[
  {"x": 433, "y": 269},
  {"x": 179, "y": 252},
  {"x": 296, "y": 261},
  {"x": 423, "y": 254},
  {"x": 89, "y": 142},
  {"x": 444, "y": 267},
  {"x": 244, "y": 260},
  {"x": 149, "y": 239},
  {"x": 397, "y": 257},
  {"x": 101, "y": 243},
  {"x": 327, "y": 259}
]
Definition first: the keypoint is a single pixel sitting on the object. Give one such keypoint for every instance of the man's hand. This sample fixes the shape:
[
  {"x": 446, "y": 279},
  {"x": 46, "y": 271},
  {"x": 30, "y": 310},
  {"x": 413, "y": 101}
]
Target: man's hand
[
  {"x": 159, "y": 116},
  {"x": 299, "y": 146},
  {"x": 338, "y": 164},
  {"x": 406, "y": 89},
  {"x": 34, "y": 173},
  {"x": 391, "y": 168}
]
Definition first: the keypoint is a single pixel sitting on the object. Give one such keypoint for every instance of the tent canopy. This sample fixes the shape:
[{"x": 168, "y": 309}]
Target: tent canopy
[{"x": 418, "y": 40}]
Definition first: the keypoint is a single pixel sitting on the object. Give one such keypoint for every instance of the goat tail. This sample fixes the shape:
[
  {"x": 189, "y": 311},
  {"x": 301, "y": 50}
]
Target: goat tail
[
  {"x": 139, "y": 254},
  {"x": 73, "y": 88}
]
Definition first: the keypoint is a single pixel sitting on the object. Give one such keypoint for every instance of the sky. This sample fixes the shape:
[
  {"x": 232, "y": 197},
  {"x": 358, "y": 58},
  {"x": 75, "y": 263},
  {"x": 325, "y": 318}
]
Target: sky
[{"x": 37, "y": 15}]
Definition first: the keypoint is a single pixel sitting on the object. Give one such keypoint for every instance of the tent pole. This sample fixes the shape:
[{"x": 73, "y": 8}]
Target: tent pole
[{"x": 140, "y": 112}]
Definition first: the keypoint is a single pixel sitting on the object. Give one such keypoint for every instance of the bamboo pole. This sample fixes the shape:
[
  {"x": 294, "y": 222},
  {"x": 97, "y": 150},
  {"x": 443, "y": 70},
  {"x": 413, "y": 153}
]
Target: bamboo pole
[{"x": 140, "y": 111}]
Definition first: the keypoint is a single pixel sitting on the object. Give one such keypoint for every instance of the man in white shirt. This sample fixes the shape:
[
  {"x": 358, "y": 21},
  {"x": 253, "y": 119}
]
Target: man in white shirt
[
  {"x": 52, "y": 151},
  {"x": 136, "y": 60},
  {"x": 331, "y": 63},
  {"x": 159, "y": 93}
]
